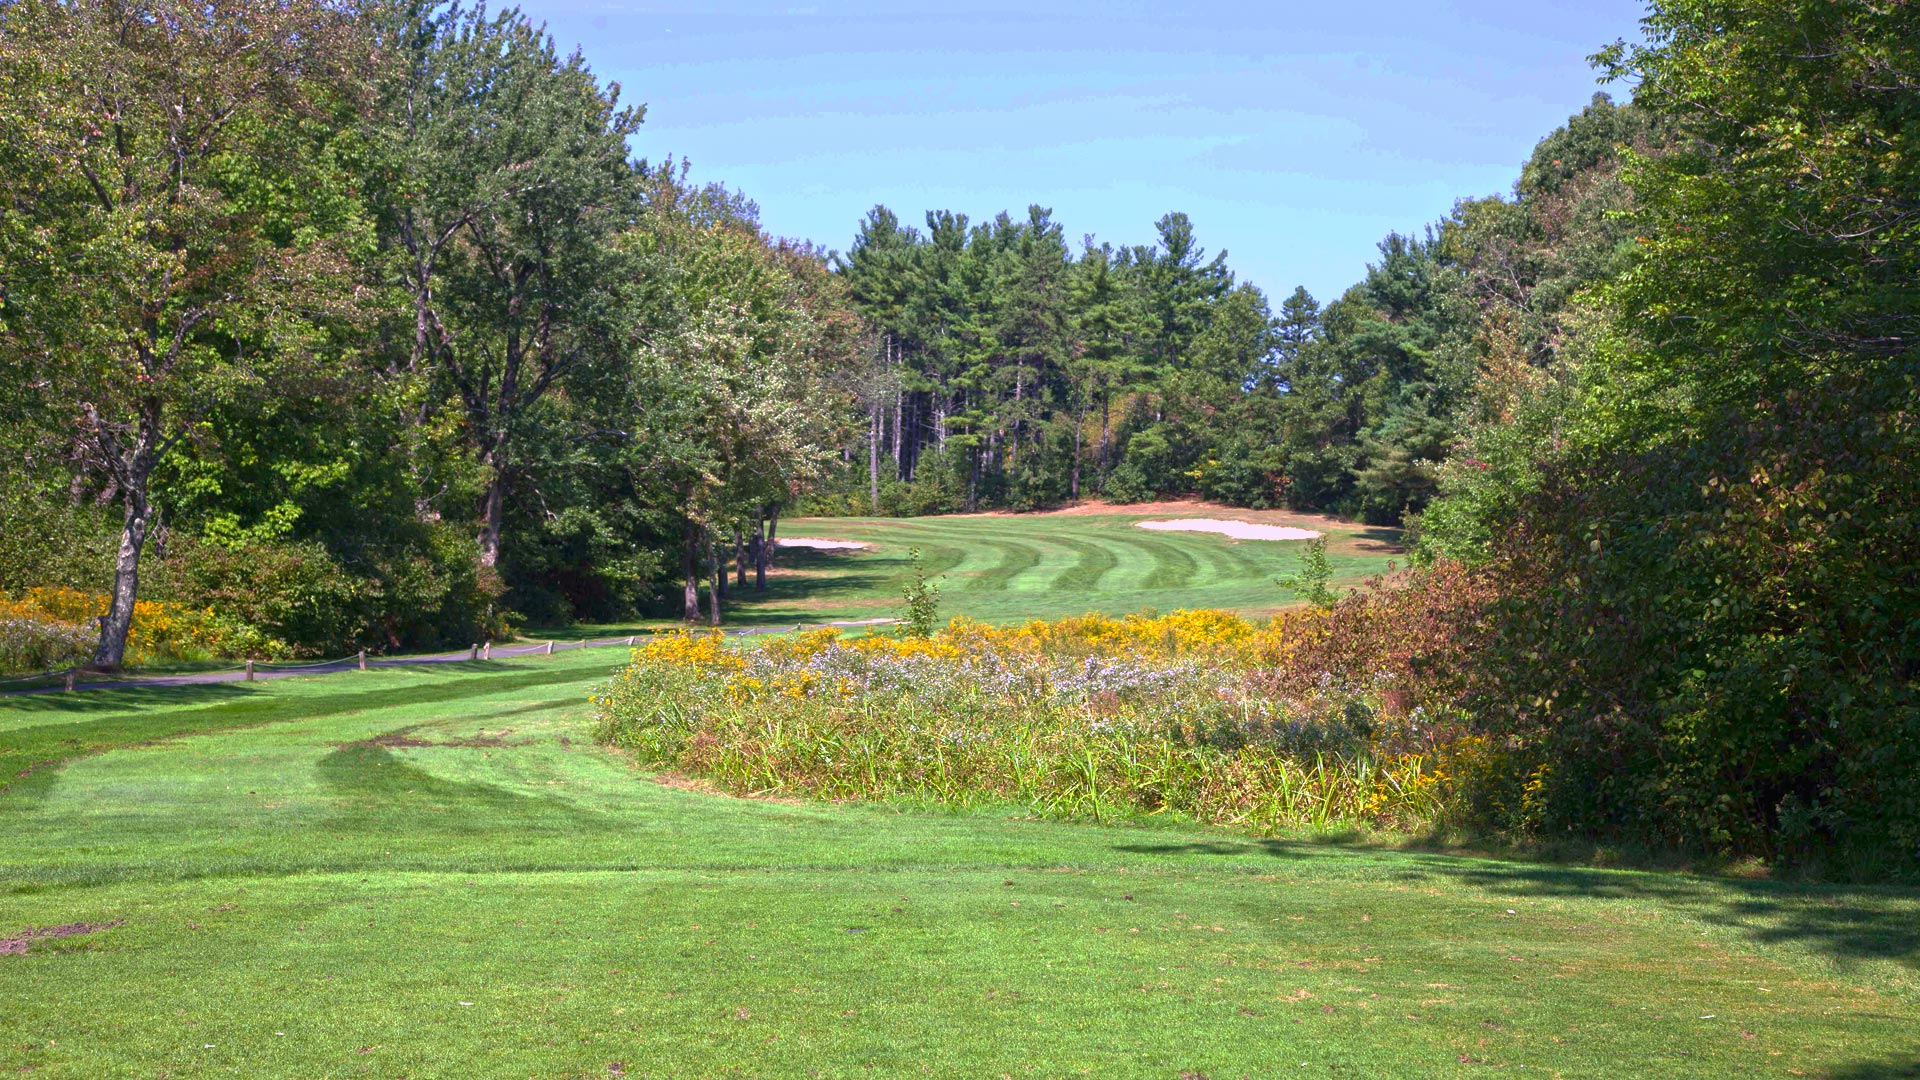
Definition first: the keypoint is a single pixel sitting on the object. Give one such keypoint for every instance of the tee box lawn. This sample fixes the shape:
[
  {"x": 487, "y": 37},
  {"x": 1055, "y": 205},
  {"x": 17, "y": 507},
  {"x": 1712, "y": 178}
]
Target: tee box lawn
[{"x": 435, "y": 872}]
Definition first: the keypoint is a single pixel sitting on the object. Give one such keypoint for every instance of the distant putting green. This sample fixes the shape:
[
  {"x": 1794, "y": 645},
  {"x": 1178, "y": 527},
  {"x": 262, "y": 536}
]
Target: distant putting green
[
  {"x": 1011, "y": 567},
  {"x": 435, "y": 873}
]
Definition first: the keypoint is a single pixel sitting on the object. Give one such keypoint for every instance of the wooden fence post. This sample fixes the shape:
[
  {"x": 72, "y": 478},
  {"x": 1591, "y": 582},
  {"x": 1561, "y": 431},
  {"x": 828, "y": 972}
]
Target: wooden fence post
[
  {"x": 249, "y": 671},
  {"x": 487, "y": 653},
  {"x": 549, "y": 648},
  {"x": 476, "y": 653},
  {"x": 363, "y": 659},
  {"x": 69, "y": 678}
]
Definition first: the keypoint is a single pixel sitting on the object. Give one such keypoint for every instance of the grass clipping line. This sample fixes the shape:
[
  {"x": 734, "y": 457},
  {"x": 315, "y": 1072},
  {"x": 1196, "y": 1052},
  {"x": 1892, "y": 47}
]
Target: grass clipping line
[{"x": 1195, "y": 715}]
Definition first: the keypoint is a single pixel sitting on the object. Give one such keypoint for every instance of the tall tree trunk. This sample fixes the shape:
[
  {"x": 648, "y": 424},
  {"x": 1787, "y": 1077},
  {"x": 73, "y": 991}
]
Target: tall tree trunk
[
  {"x": 112, "y": 650},
  {"x": 132, "y": 470},
  {"x": 493, "y": 507},
  {"x": 719, "y": 580},
  {"x": 912, "y": 460},
  {"x": 690, "y": 569},
  {"x": 899, "y": 414},
  {"x": 765, "y": 562},
  {"x": 739, "y": 557},
  {"x": 760, "y": 552},
  {"x": 1079, "y": 425},
  {"x": 1106, "y": 425},
  {"x": 1019, "y": 393},
  {"x": 873, "y": 461}
]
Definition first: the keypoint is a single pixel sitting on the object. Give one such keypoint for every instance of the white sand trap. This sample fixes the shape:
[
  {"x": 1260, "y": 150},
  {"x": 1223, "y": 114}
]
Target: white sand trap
[
  {"x": 1239, "y": 530},
  {"x": 812, "y": 544}
]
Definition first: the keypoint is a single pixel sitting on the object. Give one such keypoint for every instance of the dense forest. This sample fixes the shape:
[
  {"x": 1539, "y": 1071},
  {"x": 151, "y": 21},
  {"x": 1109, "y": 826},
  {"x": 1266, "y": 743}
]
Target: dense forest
[
  {"x": 362, "y": 326},
  {"x": 1017, "y": 372}
]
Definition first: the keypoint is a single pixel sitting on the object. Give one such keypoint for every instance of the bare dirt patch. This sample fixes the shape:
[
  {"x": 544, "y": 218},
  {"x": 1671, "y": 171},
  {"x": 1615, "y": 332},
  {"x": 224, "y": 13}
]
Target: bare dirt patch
[
  {"x": 404, "y": 739},
  {"x": 21, "y": 943},
  {"x": 828, "y": 603},
  {"x": 683, "y": 782}
]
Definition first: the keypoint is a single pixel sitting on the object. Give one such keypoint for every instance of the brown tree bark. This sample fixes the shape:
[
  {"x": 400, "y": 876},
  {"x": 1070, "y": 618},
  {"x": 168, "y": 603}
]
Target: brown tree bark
[
  {"x": 719, "y": 580},
  {"x": 132, "y": 468},
  {"x": 762, "y": 549},
  {"x": 899, "y": 413},
  {"x": 1106, "y": 426},
  {"x": 690, "y": 570},
  {"x": 873, "y": 462},
  {"x": 118, "y": 622},
  {"x": 493, "y": 505},
  {"x": 1079, "y": 424}
]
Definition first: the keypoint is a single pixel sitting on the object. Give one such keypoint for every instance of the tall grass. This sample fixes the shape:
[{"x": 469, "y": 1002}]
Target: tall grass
[{"x": 1185, "y": 716}]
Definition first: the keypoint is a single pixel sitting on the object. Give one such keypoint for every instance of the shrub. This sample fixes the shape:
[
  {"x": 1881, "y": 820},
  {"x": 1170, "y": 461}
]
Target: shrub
[
  {"x": 285, "y": 591},
  {"x": 1311, "y": 581},
  {"x": 1184, "y": 715},
  {"x": 51, "y": 541},
  {"x": 297, "y": 597},
  {"x": 32, "y": 644},
  {"x": 1726, "y": 666},
  {"x": 69, "y": 625},
  {"x": 922, "y": 599}
]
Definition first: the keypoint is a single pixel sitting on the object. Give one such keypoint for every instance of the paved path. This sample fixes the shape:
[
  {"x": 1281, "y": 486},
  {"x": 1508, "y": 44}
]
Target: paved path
[{"x": 352, "y": 663}]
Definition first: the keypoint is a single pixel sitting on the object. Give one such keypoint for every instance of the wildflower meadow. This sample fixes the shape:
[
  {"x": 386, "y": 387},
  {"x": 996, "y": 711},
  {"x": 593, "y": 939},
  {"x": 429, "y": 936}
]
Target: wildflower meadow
[{"x": 1196, "y": 716}]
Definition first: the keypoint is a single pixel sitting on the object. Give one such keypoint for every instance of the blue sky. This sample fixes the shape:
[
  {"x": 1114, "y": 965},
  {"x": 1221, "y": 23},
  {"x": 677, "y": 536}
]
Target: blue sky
[{"x": 1296, "y": 135}]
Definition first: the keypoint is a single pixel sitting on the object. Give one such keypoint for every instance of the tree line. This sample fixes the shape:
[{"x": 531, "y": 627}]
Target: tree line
[
  {"x": 1698, "y": 512},
  {"x": 1015, "y": 370},
  {"x": 363, "y": 324}
]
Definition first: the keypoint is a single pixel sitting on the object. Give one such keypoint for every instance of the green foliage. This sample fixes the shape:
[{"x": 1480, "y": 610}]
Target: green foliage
[
  {"x": 1158, "y": 376},
  {"x": 1312, "y": 581},
  {"x": 34, "y": 645},
  {"x": 385, "y": 339},
  {"x": 506, "y": 181},
  {"x": 47, "y": 540},
  {"x": 922, "y": 598},
  {"x": 190, "y": 252},
  {"x": 1702, "y": 530}
]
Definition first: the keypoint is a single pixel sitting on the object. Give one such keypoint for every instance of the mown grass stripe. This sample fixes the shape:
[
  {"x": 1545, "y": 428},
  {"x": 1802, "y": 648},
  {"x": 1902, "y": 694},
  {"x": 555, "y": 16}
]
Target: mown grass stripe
[
  {"x": 1014, "y": 559},
  {"x": 1095, "y": 560},
  {"x": 1006, "y": 567},
  {"x": 1172, "y": 567},
  {"x": 25, "y": 750}
]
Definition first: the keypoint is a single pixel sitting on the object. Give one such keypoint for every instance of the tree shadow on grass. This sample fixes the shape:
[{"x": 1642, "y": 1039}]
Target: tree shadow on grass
[
  {"x": 1381, "y": 539},
  {"x": 378, "y": 788},
  {"x": 156, "y": 715},
  {"x": 824, "y": 577},
  {"x": 94, "y": 702},
  {"x": 1900, "y": 1068},
  {"x": 1843, "y": 922}
]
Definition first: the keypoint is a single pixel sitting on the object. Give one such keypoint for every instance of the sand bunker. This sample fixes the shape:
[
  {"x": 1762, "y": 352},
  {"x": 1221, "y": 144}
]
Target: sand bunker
[
  {"x": 812, "y": 544},
  {"x": 1239, "y": 530}
]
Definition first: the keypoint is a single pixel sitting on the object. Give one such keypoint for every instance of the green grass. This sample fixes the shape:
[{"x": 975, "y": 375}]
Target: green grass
[
  {"x": 433, "y": 873},
  {"x": 1003, "y": 568}
]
